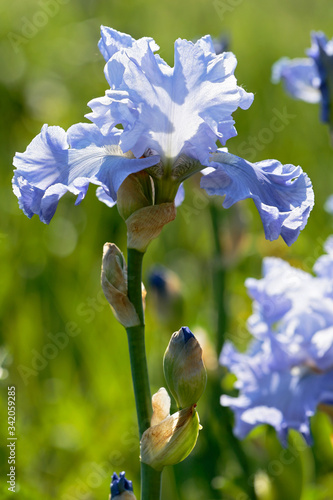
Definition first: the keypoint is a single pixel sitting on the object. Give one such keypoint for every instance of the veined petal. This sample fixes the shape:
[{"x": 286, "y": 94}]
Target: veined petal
[
  {"x": 283, "y": 194},
  {"x": 56, "y": 162},
  {"x": 171, "y": 110},
  {"x": 300, "y": 78}
]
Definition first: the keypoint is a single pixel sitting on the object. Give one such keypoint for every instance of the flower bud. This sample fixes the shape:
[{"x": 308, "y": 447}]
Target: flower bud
[
  {"x": 134, "y": 193},
  {"x": 121, "y": 488},
  {"x": 144, "y": 220},
  {"x": 184, "y": 370},
  {"x": 114, "y": 284},
  {"x": 171, "y": 438}
]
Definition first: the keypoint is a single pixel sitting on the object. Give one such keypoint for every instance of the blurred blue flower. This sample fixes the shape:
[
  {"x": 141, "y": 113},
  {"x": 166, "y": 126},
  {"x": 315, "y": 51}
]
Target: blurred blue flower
[
  {"x": 310, "y": 79},
  {"x": 288, "y": 369},
  {"x": 172, "y": 119},
  {"x": 328, "y": 206}
]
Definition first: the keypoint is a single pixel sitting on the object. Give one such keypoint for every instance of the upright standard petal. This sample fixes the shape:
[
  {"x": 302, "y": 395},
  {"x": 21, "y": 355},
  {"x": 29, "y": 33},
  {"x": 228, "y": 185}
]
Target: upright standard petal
[
  {"x": 56, "y": 162},
  {"x": 173, "y": 111},
  {"x": 112, "y": 41},
  {"x": 283, "y": 194}
]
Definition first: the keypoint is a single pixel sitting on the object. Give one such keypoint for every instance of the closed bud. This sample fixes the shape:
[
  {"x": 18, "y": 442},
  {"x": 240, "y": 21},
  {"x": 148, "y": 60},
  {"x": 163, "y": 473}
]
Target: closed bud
[
  {"x": 114, "y": 284},
  {"x": 184, "y": 369},
  {"x": 134, "y": 193},
  {"x": 121, "y": 488},
  {"x": 171, "y": 438},
  {"x": 144, "y": 220}
]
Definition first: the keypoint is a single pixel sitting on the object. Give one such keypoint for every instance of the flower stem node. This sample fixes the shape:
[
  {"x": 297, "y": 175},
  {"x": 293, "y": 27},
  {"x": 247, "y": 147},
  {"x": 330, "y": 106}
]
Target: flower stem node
[
  {"x": 114, "y": 284},
  {"x": 144, "y": 220},
  {"x": 184, "y": 369},
  {"x": 121, "y": 488},
  {"x": 171, "y": 438}
]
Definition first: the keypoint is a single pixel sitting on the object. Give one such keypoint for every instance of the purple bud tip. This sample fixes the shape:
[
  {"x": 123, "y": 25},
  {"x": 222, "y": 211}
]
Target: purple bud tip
[
  {"x": 120, "y": 484},
  {"x": 187, "y": 333},
  {"x": 157, "y": 279}
]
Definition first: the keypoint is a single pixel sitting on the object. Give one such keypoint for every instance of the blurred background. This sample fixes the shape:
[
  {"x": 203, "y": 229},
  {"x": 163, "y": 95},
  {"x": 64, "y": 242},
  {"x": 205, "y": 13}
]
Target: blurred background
[{"x": 60, "y": 345}]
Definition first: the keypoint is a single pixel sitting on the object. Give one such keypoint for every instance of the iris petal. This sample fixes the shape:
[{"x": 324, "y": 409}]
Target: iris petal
[
  {"x": 283, "y": 194},
  {"x": 171, "y": 110},
  {"x": 56, "y": 162},
  {"x": 300, "y": 78}
]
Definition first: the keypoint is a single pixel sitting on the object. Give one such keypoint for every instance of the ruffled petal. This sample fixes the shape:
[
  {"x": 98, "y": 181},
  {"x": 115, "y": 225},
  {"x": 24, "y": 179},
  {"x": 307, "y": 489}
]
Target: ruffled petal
[
  {"x": 300, "y": 78},
  {"x": 105, "y": 198},
  {"x": 282, "y": 399},
  {"x": 112, "y": 41},
  {"x": 283, "y": 194},
  {"x": 171, "y": 110},
  {"x": 273, "y": 293},
  {"x": 56, "y": 162}
]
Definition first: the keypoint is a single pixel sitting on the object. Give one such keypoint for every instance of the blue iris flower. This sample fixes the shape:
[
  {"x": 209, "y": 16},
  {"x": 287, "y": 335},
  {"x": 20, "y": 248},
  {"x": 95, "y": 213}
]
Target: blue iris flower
[
  {"x": 310, "y": 79},
  {"x": 288, "y": 370},
  {"x": 171, "y": 119}
]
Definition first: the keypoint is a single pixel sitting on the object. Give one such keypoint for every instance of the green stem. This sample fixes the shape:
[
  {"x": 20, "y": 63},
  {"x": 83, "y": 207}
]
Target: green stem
[
  {"x": 219, "y": 287},
  {"x": 150, "y": 478},
  {"x": 219, "y": 277}
]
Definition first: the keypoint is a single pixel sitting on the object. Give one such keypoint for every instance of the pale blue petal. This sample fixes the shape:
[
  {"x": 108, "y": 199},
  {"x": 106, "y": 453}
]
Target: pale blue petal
[
  {"x": 323, "y": 267},
  {"x": 283, "y": 194},
  {"x": 56, "y": 162},
  {"x": 273, "y": 293},
  {"x": 105, "y": 198},
  {"x": 300, "y": 78},
  {"x": 180, "y": 196},
  {"x": 171, "y": 110},
  {"x": 112, "y": 41},
  {"x": 328, "y": 206},
  {"x": 282, "y": 399}
]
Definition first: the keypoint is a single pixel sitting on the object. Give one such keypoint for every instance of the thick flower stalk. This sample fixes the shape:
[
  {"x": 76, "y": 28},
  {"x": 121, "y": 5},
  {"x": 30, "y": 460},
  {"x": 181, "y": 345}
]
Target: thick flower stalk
[
  {"x": 171, "y": 119},
  {"x": 310, "y": 78},
  {"x": 287, "y": 372}
]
